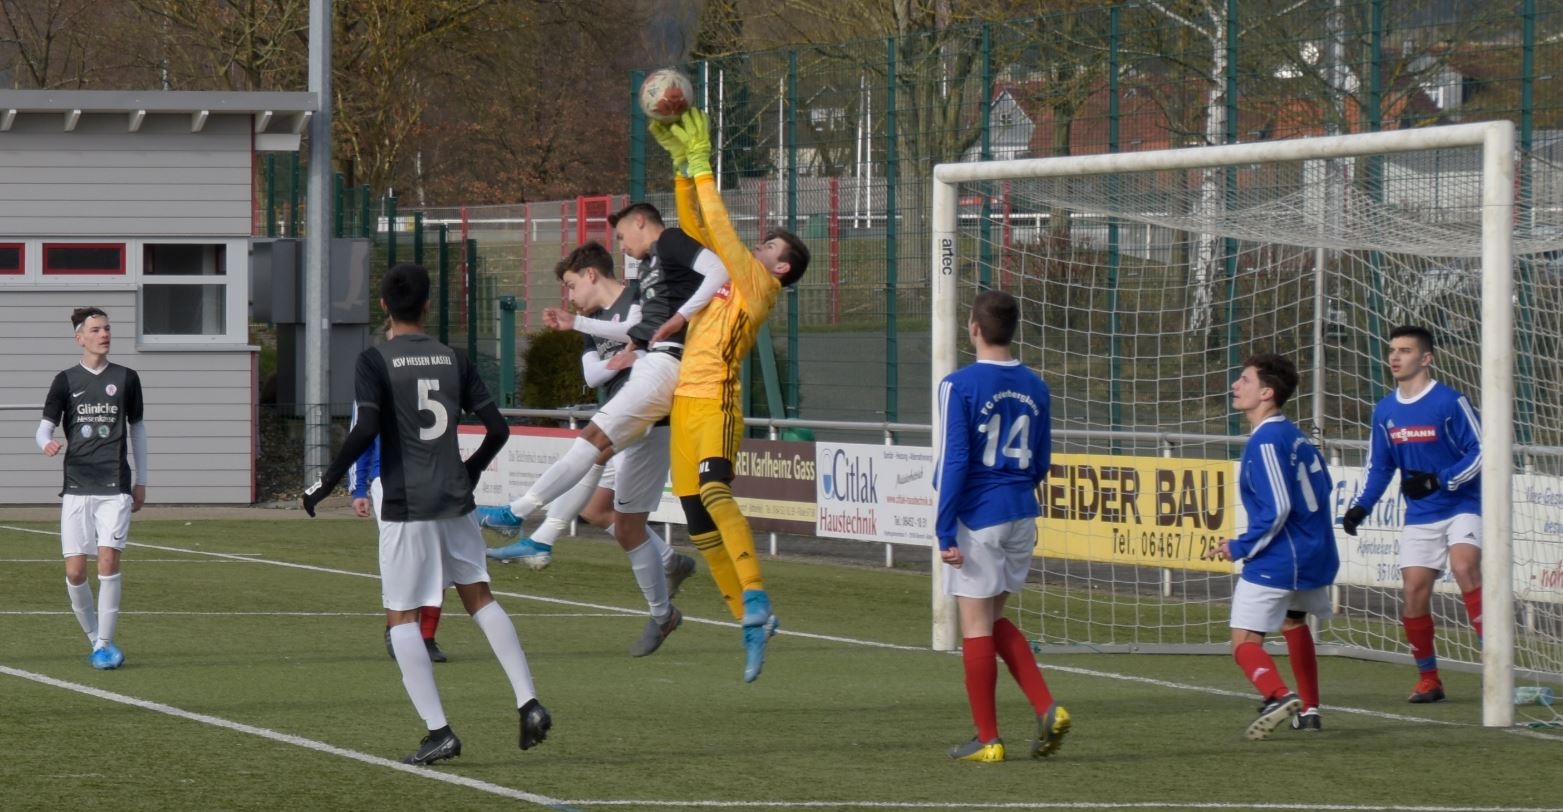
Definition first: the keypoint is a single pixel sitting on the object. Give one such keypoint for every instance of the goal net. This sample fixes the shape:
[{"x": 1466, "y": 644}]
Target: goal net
[{"x": 1146, "y": 278}]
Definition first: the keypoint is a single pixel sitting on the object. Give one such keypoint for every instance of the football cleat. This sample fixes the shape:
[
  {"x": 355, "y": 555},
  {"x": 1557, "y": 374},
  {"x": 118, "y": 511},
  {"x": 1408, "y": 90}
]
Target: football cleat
[
  {"x": 1272, "y": 714},
  {"x": 982, "y": 752},
  {"x": 389, "y": 649},
  {"x": 534, "y": 554},
  {"x": 1051, "y": 727},
  {"x": 535, "y": 723},
  {"x": 436, "y": 747},
  {"x": 1309, "y": 719},
  {"x": 107, "y": 658},
  {"x": 499, "y": 519},
  {"x": 678, "y": 571},
  {"x": 435, "y": 654},
  {"x": 757, "y": 607},
  {"x": 652, "y": 636},
  {"x": 1428, "y": 689}
]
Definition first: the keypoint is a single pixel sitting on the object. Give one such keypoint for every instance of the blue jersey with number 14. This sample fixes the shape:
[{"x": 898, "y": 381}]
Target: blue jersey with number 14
[{"x": 994, "y": 449}]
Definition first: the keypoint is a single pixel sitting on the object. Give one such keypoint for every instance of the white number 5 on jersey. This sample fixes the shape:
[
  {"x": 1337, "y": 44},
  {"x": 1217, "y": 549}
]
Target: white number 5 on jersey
[
  {"x": 434, "y": 407},
  {"x": 1014, "y": 441}
]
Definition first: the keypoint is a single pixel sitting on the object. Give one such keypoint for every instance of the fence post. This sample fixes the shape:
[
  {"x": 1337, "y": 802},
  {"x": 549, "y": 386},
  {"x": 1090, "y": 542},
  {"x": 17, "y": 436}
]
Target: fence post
[
  {"x": 293, "y": 199},
  {"x": 271, "y": 195},
  {"x": 417, "y": 237},
  {"x": 1115, "y": 346},
  {"x": 472, "y": 300},
  {"x": 507, "y": 351},
  {"x": 444, "y": 259},
  {"x": 985, "y": 127},
  {"x": 892, "y": 173},
  {"x": 1234, "y": 357},
  {"x": 390, "y": 231},
  {"x": 792, "y": 225},
  {"x": 637, "y": 138},
  {"x": 365, "y": 220},
  {"x": 337, "y": 198}
]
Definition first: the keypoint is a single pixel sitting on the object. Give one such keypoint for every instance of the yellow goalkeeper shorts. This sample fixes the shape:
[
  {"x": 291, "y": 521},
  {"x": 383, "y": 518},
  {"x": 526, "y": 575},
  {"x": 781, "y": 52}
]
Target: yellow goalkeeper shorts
[{"x": 701, "y": 429}]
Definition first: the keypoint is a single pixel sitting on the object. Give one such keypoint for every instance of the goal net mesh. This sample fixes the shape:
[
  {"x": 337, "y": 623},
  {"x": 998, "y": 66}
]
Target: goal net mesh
[{"x": 1142, "y": 293}]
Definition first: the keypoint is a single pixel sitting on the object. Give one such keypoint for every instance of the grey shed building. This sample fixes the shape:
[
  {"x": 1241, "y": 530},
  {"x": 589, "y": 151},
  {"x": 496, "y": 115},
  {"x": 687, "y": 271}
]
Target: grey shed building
[{"x": 141, "y": 203}]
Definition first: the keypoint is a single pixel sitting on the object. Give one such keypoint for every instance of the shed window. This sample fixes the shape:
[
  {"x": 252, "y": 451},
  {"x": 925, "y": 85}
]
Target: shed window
[
  {"x": 101, "y": 259},
  {"x": 184, "y": 289},
  {"x": 11, "y": 259}
]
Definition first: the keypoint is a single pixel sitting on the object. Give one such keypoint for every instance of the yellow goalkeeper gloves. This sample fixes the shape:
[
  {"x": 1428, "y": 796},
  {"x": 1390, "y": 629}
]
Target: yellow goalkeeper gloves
[
  {"x": 693, "y": 130},
  {"x": 664, "y": 134}
]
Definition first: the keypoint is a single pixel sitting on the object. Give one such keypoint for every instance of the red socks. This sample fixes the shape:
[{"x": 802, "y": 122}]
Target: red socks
[
  {"x": 982, "y": 674},
  {"x": 1419, "y": 633},
  {"x": 1305, "y": 664},
  {"x": 428, "y": 621},
  {"x": 1016, "y": 652},
  {"x": 1259, "y": 669},
  {"x": 1473, "y": 609}
]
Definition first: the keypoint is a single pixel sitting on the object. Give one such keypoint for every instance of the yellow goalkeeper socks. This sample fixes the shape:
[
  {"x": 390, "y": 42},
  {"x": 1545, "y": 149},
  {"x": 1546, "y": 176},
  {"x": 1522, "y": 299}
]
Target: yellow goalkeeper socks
[
  {"x": 721, "y": 567},
  {"x": 718, "y": 500}
]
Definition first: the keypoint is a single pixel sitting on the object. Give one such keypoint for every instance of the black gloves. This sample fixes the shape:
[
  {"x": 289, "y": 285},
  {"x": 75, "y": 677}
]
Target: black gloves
[
  {"x": 1418, "y": 484},
  {"x": 1352, "y": 519},
  {"x": 314, "y": 495}
]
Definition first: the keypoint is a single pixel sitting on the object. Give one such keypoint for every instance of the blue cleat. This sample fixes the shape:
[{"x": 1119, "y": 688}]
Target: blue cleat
[
  {"x": 759, "y": 627},
  {"x": 534, "y": 554},
  {"x": 499, "y": 519},
  {"x": 107, "y": 658}
]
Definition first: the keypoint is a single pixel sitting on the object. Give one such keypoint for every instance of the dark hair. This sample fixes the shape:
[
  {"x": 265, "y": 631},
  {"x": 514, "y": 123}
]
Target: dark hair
[
  {"x": 1276, "y": 372},
  {"x": 80, "y": 315},
  {"x": 1423, "y": 335},
  {"x": 643, "y": 209},
  {"x": 997, "y": 315},
  {"x": 796, "y": 255},
  {"x": 590, "y": 254},
  {"x": 405, "y": 290}
]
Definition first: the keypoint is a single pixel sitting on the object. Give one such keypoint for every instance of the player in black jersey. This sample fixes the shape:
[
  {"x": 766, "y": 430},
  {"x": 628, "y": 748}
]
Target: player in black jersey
[
  {"x": 99, "y": 406},
  {"x": 411, "y": 392}
]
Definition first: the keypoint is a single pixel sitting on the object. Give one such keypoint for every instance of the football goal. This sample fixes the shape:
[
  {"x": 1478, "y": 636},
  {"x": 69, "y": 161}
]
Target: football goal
[{"x": 1146, "y": 278}]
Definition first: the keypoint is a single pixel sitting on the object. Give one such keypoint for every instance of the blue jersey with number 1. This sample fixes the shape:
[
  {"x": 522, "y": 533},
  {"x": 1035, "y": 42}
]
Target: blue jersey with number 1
[{"x": 995, "y": 446}]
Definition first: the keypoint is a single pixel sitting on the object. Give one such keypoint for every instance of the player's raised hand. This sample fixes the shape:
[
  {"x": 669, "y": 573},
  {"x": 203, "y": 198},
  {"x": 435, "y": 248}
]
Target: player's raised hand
[
  {"x": 557, "y": 318},
  {"x": 674, "y": 323},
  {"x": 694, "y": 130},
  {"x": 663, "y": 132}
]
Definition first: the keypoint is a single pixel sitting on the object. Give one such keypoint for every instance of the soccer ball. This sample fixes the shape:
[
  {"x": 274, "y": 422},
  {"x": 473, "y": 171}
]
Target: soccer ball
[{"x": 666, "y": 94}]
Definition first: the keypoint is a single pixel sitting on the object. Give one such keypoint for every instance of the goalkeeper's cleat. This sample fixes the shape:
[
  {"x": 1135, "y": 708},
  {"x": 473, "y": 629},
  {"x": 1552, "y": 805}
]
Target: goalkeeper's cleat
[
  {"x": 1051, "y": 727},
  {"x": 677, "y": 572},
  {"x": 979, "y": 751},
  {"x": 389, "y": 649},
  {"x": 1272, "y": 714},
  {"x": 755, "y": 638},
  {"x": 499, "y": 518},
  {"x": 437, "y": 746},
  {"x": 535, "y": 723},
  {"x": 757, "y": 607},
  {"x": 107, "y": 657},
  {"x": 534, "y": 554},
  {"x": 435, "y": 655},
  {"x": 1428, "y": 689},
  {"x": 652, "y": 636},
  {"x": 1309, "y": 719}
]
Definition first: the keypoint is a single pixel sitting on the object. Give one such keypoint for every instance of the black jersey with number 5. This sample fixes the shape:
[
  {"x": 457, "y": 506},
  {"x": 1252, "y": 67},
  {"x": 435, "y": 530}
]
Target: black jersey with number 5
[
  {"x": 420, "y": 388},
  {"x": 95, "y": 410}
]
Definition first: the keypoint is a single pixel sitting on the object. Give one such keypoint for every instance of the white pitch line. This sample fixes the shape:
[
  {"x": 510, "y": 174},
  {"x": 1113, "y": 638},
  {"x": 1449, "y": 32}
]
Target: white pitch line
[
  {"x": 1137, "y": 805},
  {"x": 285, "y": 738},
  {"x": 51, "y": 612}
]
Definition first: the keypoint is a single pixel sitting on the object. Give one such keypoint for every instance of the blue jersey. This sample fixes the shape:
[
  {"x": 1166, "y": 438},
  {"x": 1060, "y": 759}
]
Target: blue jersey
[
  {"x": 366, "y": 469},
  {"x": 1434, "y": 432},
  {"x": 995, "y": 448},
  {"x": 1285, "y": 488}
]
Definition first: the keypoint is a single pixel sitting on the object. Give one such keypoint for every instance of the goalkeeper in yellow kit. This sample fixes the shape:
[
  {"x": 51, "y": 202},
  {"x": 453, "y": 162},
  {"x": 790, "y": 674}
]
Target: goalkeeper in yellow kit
[{"x": 707, "y": 418}]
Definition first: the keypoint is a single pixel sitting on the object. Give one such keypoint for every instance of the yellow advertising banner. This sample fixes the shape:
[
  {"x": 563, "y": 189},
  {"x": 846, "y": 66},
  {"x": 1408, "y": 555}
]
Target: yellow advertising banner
[{"x": 1144, "y": 511}]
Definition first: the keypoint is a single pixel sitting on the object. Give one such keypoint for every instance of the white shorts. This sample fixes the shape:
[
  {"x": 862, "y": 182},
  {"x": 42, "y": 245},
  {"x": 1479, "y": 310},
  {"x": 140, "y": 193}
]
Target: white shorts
[
  {"x": 1259, "y": 608},
  {"x": 88, "y": 522},
  {"x": 1427, "y": 545},
  {"x": 419, "y": 559},
  {"x": 638, "y": 474},
  {"x": 995, "y": 560},
  {"x": 646, "y": 398},
  {"x": 376, "y": 497}
]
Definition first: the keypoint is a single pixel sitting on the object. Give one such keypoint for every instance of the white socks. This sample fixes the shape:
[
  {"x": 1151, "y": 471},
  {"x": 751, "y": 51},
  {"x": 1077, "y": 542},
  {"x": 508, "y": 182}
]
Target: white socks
[
  {"x": 108, "y": 607},
  {"x": 502, "y": 638},
  {"x": 560, "y": 477},
  {"x": 653, "y": 581},
  {"x": 81, "y": 604},
  {"x": 563, "y": 510},
  {"x": 412, "y": 657}
]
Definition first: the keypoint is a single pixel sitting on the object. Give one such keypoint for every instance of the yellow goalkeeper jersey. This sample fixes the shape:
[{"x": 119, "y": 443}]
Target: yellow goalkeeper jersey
[{"x": 722, "y": 333}]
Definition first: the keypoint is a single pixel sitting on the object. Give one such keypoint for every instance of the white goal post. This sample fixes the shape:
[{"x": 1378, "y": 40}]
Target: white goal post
[{"x": 1496, "y": 144}]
